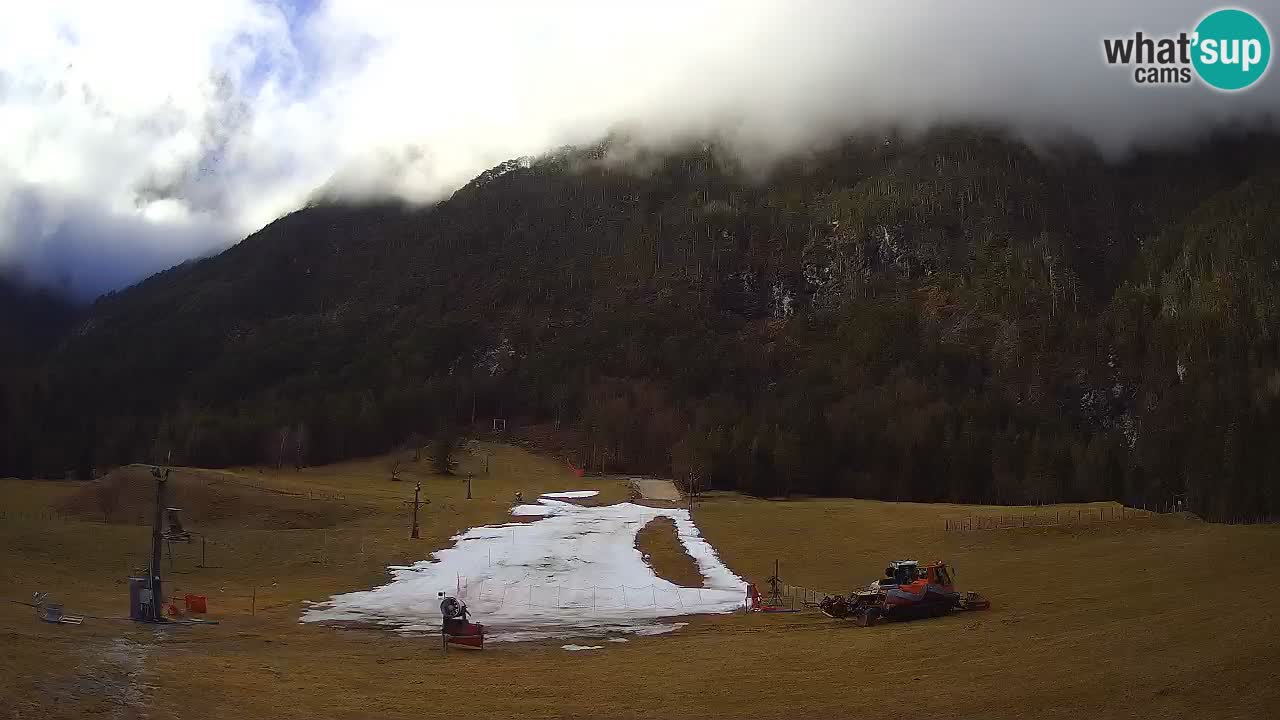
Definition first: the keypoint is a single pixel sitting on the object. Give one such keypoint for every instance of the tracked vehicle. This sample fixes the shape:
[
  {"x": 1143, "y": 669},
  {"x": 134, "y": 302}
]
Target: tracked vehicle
[{"x": 908, "y": 591}]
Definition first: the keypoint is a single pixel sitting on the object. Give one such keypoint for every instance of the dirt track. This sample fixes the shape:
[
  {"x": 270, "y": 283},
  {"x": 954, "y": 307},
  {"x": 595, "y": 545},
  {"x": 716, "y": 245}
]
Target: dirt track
[{"x": 656, "y": 489}]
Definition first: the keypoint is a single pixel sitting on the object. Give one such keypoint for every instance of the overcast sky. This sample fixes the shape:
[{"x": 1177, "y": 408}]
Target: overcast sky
[{"x": 134, "y": 135}]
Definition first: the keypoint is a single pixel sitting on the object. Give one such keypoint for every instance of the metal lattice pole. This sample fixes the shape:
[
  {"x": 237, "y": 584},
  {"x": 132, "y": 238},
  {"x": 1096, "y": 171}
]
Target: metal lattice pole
[{"x": 156, "y": 609}]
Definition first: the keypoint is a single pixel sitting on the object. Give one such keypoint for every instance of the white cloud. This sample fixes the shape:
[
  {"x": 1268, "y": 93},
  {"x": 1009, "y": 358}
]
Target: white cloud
[{"x": 202, "y": 121}]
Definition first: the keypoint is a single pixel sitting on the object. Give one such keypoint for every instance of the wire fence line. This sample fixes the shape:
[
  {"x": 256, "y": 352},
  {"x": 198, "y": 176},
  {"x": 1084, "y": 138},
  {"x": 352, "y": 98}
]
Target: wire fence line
[
  {"x": 309, "y": 494},
  {"x": 798, "y": 596},
  {"x": 494, "y": 595},
  {"x": 33, "y": 516},
  {"x": 795, "y": 597},
  {"x": 1075, "y": 517}
]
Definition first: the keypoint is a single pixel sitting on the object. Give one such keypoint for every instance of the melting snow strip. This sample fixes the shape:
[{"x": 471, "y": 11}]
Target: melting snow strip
[
  {"x": 573, "y": 572},
  {"x": 575, "y": 648},
  {"x": 572, "y": 494}
]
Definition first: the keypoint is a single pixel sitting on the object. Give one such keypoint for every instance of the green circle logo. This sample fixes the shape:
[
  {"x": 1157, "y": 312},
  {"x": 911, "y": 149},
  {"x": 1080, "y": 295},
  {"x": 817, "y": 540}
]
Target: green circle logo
[{"x": 1232, "y": 49}]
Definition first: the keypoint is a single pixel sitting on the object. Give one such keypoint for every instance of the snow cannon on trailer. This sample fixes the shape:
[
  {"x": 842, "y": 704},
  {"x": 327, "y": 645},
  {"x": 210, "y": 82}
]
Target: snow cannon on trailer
[
  {"x": 455, "y": 630},
  {"x": 908, "y": 591}
]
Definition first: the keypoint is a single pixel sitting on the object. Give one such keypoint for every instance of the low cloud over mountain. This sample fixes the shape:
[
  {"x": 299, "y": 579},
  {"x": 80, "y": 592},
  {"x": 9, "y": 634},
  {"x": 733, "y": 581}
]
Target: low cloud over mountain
[{"x": 135, "y": 136}]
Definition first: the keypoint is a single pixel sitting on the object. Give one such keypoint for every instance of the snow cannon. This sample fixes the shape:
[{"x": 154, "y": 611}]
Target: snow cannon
[
  {"x": 455, "y": 630},
  {"x": 773, "y": 603},
  {"x": 465, "y": 636}
]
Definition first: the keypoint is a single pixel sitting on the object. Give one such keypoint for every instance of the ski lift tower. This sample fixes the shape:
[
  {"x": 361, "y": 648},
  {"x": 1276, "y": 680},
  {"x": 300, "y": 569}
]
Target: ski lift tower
[{"x": 153, "y": 610}]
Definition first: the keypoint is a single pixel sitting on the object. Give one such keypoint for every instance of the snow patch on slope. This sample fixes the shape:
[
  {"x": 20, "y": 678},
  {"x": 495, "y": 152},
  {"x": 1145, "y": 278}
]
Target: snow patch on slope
[
  {"x": 575, "y": 572},
  {"x": 531, "y": 511}
]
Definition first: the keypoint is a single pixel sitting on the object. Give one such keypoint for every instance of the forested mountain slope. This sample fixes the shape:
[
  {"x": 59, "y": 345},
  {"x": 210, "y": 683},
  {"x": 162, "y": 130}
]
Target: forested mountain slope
[
  {"x": 31, "y": 321},
  {"x": 955, "y": 316}
]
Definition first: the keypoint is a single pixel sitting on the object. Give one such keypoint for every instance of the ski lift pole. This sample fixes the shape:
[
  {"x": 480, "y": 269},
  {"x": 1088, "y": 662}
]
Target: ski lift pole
[
  {"x": 156, "y": 606},
  {"x": 416, "y": 503}
]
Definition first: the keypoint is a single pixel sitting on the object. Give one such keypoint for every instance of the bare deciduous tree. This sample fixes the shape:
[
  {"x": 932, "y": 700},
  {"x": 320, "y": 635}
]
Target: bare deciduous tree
[
  {"x": 302, "y": 445},
  {"x": 416, "y": 442},
  {"x": 442, "y": 448},
  {"x": 692, "y": 485},
  {"x": 106, "y": 495}
]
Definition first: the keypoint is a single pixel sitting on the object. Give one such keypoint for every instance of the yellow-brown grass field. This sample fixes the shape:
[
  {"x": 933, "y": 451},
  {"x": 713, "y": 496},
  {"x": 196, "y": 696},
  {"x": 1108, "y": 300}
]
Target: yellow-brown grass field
[{"x": 1162, "y": 617}]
